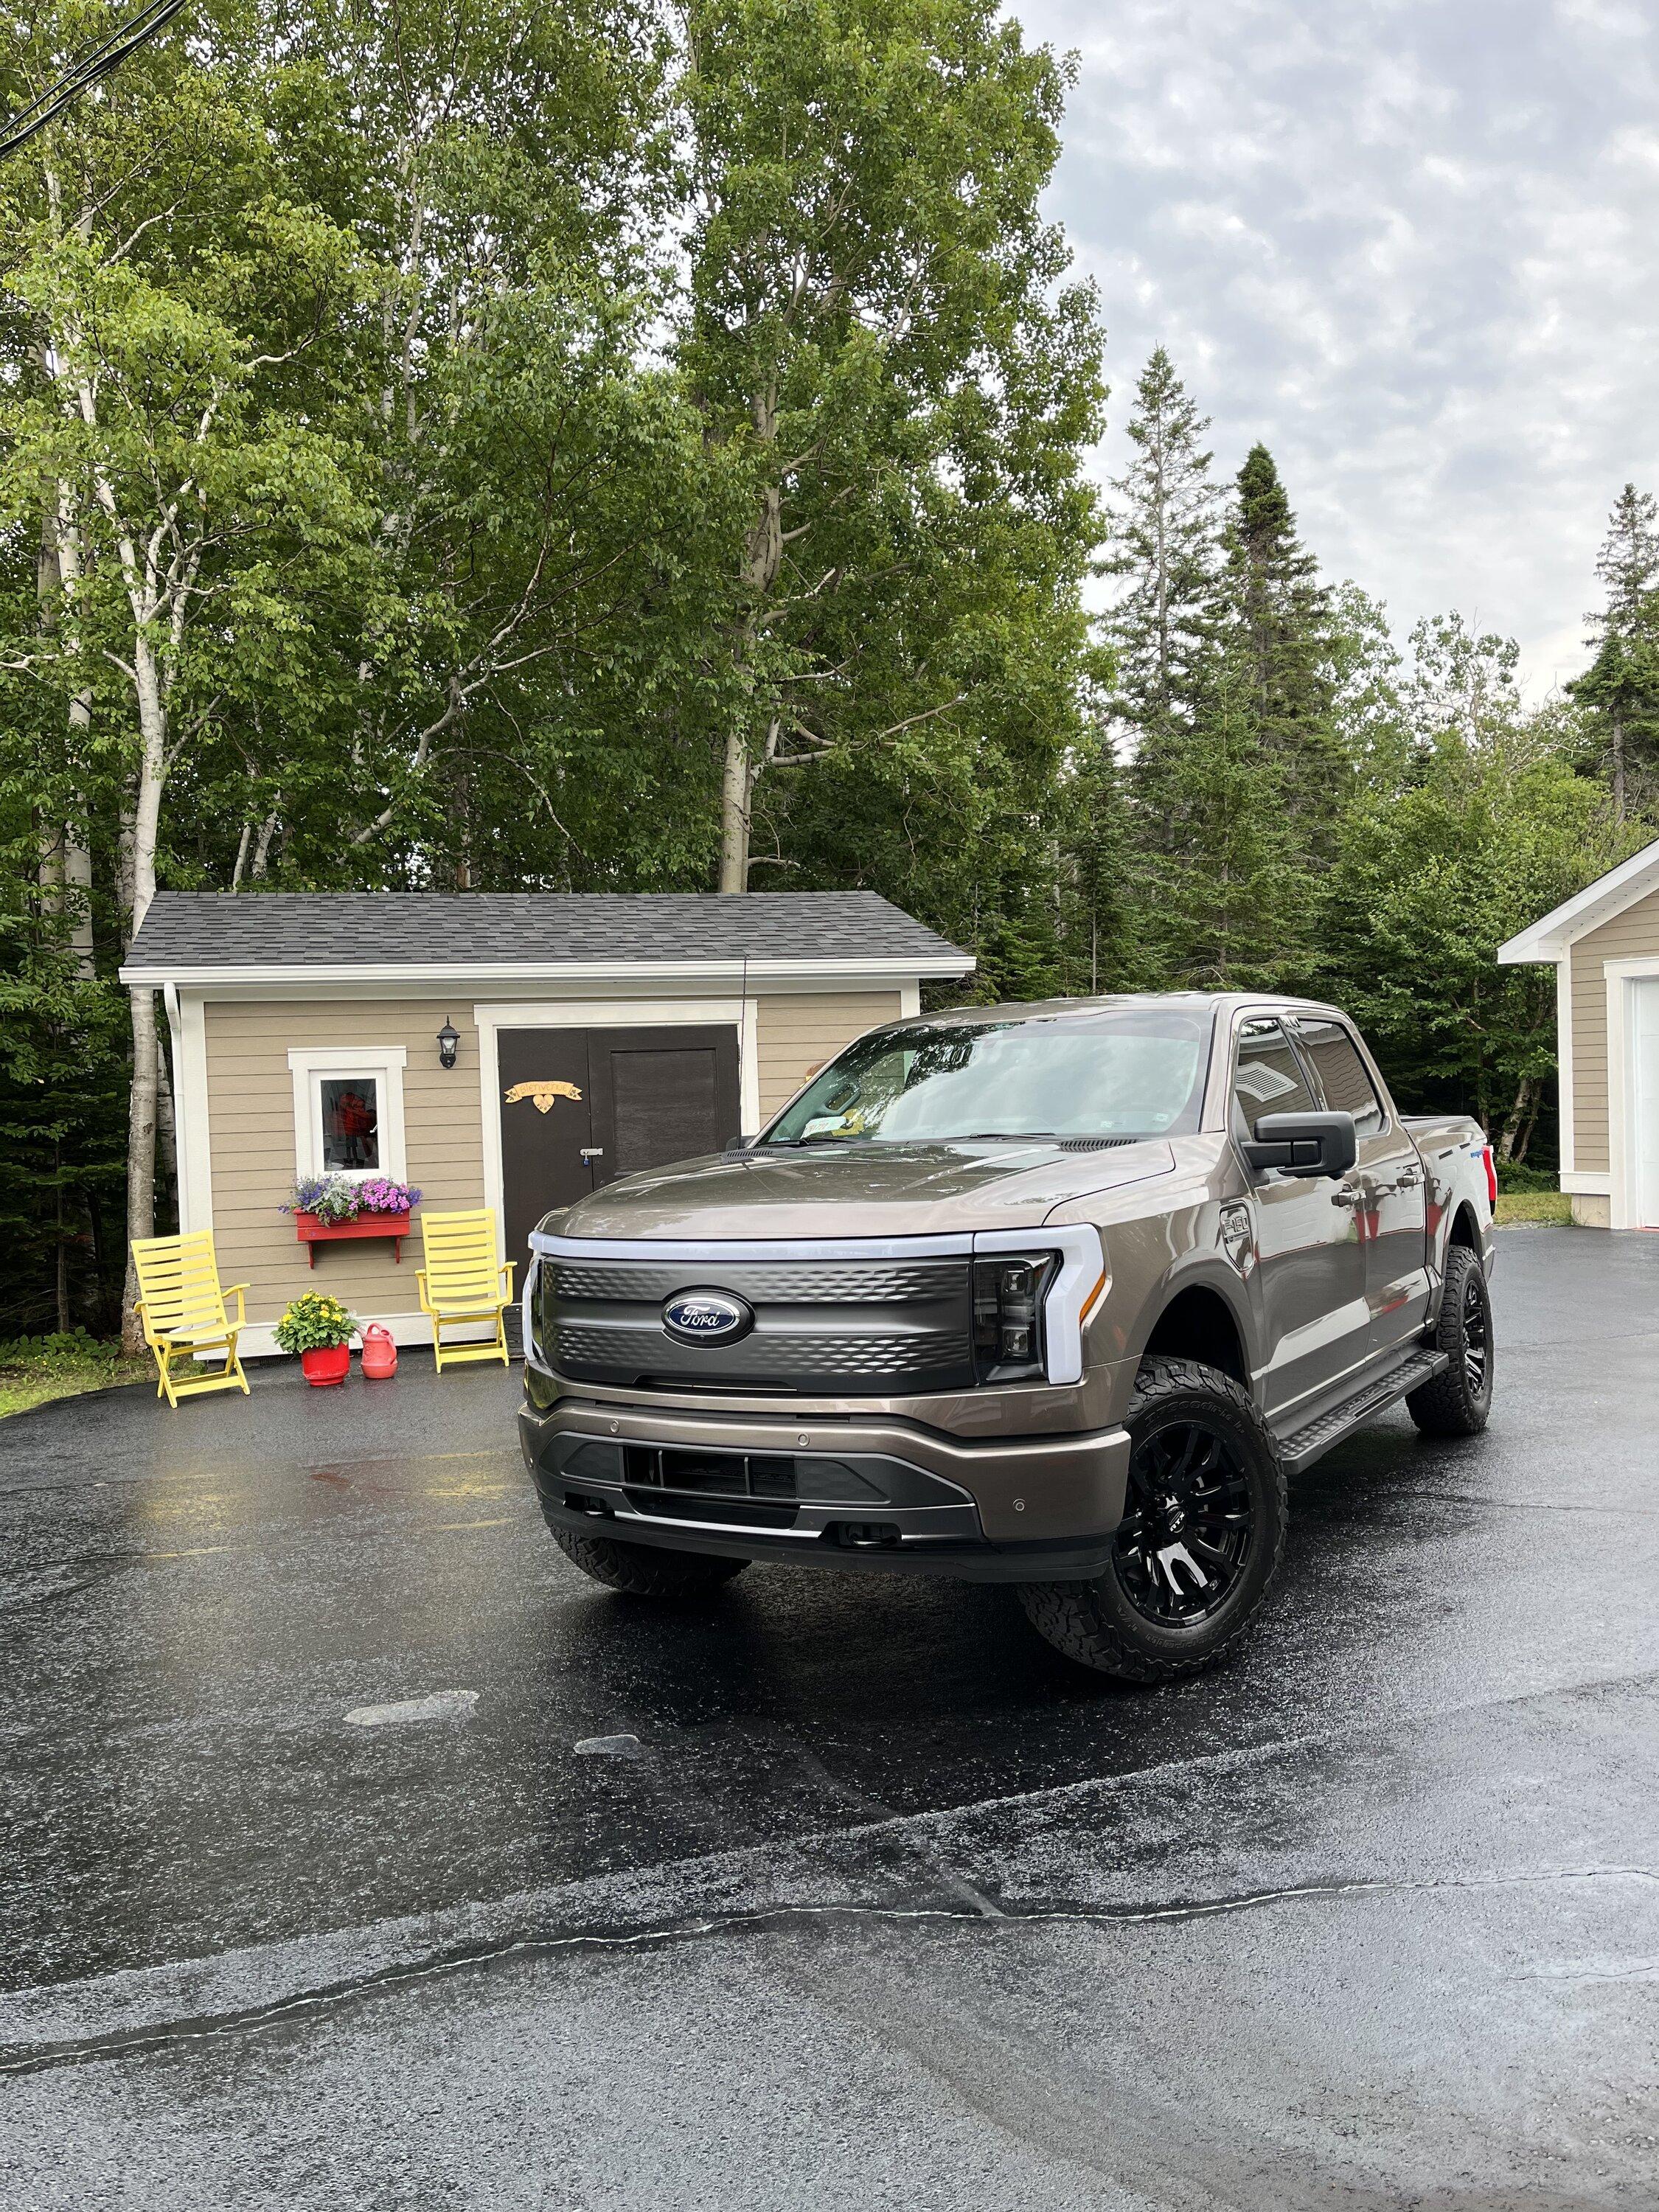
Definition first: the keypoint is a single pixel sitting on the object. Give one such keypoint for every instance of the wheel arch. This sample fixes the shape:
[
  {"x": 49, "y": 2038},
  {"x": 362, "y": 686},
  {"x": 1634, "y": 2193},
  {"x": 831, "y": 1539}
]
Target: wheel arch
[
  {"x": 1198, "y": 1316},
  {"x": 1464, "y": 1228}
]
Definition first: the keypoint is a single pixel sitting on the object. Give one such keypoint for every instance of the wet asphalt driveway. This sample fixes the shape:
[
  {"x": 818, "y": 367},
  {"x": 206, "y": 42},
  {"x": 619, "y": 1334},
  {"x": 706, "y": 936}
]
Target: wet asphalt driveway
[{"x": 886, "y": 1905}]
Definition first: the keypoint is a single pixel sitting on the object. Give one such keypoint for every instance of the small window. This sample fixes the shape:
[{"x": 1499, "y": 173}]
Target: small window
[
  {"x": 1340, "y": 1074},
  {"x": 348, "y": 1110},
  {"x": 351, "y": 1124},
  {"x": 1267, "y": 1076}
]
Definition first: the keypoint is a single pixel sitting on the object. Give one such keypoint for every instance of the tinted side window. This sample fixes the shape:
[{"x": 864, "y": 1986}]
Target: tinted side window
[
  {"x": 1341, "y": 1074},
  {"x": 1266, "y": 1077}
]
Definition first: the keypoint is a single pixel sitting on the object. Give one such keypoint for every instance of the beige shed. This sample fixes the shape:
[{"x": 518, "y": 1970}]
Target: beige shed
[
  {"x": 1604, "y": 944},
  {"x": 510, "y": 1050}
]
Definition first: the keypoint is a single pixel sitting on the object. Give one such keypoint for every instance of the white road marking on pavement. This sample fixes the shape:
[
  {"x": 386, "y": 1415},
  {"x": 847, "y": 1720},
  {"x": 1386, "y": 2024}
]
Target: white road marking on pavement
[{"x": 441, "y": 1706}]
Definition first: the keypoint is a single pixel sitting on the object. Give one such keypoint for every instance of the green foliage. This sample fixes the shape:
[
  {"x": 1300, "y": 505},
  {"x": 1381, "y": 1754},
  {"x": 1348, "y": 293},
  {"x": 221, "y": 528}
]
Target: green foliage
[
  {"x": 1620, "y": 689},
  {"x": 1486, "y": 827},
  {"x": 456, "y": 445},
  {"x": 63, "y": 1363},
  {"x": 315, "y": 1322}
]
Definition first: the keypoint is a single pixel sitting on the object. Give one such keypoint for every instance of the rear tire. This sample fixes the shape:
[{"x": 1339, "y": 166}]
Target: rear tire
[
  {"x": 1201, "y": 1541},
  {"x": 642, "y": 1571},
  {"x": 1458, "y": 1402}
]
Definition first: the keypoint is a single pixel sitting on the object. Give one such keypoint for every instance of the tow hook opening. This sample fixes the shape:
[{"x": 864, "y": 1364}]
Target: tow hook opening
[
  {"x": 578, "y": 1501},
  {"x": 864, "y": 1535}
]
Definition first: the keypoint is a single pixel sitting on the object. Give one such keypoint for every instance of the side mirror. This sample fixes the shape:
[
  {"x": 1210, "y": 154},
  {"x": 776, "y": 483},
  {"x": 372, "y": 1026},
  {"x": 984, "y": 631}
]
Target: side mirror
[{"x": 1303, "y": 1144}]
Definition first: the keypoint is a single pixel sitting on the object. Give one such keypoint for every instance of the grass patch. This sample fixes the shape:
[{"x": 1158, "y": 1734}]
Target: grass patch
[
  {"x": 36, "y": 1368},
  {"x": 1516, "y": 1208}
]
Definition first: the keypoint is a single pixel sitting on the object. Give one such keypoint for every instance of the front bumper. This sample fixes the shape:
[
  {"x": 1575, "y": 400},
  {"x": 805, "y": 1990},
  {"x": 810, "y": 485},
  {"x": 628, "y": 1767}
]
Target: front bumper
[{"x": 842, "y": 1493}]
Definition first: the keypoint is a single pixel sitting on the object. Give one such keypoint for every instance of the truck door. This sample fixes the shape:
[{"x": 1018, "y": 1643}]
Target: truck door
[
  {"x": 1393, "y": 1216},
  {"x": 1310, "y": 1272}
]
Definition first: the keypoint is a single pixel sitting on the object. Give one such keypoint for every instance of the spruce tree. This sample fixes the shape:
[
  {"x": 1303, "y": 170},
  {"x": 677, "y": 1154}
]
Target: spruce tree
[
  {"x": 1621, "y": 685},
  {"x": 1283, "y": 620},
  {"x": 1225, "y": 893},
  {"x": 1167, "y": 541}
]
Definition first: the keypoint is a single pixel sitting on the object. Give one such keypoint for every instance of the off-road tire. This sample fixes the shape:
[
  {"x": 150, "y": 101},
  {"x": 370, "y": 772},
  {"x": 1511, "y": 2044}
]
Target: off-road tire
[
  {"x": 1453, "y": 1404},
  {"x": 642, "y": 1571},
  {"x": 1095, "y": 1622}
]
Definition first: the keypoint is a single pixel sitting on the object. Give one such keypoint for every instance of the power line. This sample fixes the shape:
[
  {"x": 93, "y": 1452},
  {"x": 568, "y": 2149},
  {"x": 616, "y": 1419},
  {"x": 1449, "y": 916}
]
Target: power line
[{"x": 90, "y": 67}]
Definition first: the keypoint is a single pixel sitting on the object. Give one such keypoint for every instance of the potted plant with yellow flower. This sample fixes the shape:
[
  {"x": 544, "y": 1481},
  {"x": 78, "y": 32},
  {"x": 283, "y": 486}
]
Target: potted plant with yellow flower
[{"x": 321, "y": 1330}]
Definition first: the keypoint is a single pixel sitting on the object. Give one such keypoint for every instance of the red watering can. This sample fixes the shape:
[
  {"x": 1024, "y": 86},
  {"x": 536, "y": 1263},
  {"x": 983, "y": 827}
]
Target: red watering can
[{"x": 380, "y": 1353}]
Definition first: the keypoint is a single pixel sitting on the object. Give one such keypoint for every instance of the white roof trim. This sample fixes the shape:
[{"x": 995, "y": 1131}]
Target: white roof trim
[
  {"x": 617, "y": 974},
  {"x": 1588, "y": 910}
]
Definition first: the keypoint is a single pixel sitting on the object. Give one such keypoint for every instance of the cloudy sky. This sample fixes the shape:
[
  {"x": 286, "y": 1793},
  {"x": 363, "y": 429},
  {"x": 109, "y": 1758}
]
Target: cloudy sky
[{"x": 1413, "y": 245}]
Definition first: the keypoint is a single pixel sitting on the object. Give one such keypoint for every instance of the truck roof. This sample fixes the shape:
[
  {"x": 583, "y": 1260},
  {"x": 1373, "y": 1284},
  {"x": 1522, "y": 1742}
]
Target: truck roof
[{"x": 1187, "y": 1001}]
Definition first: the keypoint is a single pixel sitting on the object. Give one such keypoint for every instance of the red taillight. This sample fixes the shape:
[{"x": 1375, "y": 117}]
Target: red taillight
[{"x": 1491, "y": 1159}]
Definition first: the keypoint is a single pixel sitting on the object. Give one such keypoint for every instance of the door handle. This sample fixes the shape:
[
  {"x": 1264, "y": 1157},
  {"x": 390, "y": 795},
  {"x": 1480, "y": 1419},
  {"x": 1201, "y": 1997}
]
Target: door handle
[
  {"x": 1349, "y": 1195},
  {"x": 592, "y": 1151}
]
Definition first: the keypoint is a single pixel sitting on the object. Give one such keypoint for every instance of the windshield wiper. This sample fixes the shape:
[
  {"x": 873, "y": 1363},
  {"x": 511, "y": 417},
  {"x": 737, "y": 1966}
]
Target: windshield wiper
[{"x": 1008, "y": 1136}]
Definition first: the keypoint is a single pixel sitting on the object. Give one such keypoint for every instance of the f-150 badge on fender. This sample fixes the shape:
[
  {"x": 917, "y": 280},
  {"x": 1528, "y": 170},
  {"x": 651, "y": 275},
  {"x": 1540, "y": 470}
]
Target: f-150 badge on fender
[{"x": 542, "y": 1094}]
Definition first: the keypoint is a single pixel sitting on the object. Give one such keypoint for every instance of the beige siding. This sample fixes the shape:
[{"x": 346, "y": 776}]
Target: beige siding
[
  {"x": 793, "y": 1035},
  {"x": 1631, "y": 935},
  {"x": 251, "y": 1136},
  {"x": 251, "y": 1140}
]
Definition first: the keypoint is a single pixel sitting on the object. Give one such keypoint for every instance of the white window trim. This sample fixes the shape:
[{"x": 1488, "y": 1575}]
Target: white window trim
[
  {"x": 1621, "y": 1086},
  {"x": 1564, "y": 1075},
  {"x": 385, "y": 1063},
  {"x": 187, "y": 1023},
  {"x": 600, "y": 1014}
]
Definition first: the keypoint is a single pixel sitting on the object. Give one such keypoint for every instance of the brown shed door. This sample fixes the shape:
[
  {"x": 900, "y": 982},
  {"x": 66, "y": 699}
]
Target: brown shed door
[{"x": 582, "y": 1107}]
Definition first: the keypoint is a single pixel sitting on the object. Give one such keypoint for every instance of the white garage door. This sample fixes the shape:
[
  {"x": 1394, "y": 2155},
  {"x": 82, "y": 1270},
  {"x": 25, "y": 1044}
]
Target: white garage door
[{"x": 1644, "y": 1052}]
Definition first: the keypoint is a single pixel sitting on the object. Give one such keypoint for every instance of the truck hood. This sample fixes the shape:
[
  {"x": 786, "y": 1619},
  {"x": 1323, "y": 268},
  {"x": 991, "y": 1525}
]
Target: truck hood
[{"x": 870, "y": 1190}]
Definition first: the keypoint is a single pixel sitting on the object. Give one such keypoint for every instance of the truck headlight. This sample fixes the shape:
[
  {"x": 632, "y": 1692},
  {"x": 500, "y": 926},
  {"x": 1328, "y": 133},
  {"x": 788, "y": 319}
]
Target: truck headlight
[{"x": 1008, "y": 1291}]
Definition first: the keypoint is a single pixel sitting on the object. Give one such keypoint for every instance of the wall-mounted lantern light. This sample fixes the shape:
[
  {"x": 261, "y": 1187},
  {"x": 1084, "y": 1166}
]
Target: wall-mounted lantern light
[{"x": 449, "y": 1043}]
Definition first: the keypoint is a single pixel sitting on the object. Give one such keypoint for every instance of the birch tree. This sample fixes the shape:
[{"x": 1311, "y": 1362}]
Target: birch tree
[
  {"x": 180, "y": 476},
  {"x": 881, "y": 334}
]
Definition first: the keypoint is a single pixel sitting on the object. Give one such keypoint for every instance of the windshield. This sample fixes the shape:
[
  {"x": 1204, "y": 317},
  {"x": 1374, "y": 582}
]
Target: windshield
[{"x": 1137, "y": 1073}]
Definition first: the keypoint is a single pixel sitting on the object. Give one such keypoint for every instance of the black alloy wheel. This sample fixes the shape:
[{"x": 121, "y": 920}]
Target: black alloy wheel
[
  {"x": 1476, "y": 1335},
  {"x": 1202, "y": 1533},
  {"x": 1187, "y": 1533},
  {"x": 1458, "y": 1401}
]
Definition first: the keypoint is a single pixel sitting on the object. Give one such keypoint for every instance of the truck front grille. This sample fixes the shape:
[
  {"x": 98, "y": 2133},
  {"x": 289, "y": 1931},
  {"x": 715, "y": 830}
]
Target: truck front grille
[{"x": 822, "y": 1327}]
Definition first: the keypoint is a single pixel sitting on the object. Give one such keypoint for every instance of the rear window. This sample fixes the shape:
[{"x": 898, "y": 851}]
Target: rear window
[
  {"x": 1340, "y": 1074},
  {"x": 1267, "y": 1076}
]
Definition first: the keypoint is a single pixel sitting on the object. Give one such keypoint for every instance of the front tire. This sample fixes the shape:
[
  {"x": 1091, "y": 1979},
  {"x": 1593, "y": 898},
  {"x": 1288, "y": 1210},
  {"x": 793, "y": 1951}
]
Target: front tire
[
  {"x": 1458, "y": 1402},
  {"x": 642, "y": 1571},
  {"x": 1201, "y": 1537}
]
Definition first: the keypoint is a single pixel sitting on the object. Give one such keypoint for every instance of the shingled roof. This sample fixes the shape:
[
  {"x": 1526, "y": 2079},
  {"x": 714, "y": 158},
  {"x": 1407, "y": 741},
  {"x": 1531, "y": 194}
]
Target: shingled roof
[{"x": 335, "y": 933}]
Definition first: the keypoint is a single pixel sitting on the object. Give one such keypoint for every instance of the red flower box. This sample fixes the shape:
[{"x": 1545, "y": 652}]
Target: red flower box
[{"x": 311, "y": 1232}]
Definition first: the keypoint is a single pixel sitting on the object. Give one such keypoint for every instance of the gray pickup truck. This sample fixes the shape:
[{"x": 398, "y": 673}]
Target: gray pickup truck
[{"x": 1053, "y": 1295}]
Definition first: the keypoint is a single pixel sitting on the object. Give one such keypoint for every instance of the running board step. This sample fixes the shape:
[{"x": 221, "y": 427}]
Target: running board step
[{"x": 1304, "y": 1445}]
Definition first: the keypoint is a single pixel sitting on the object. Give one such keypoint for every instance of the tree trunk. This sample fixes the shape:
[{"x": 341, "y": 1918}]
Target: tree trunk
[
  {"x": 1515, "y": 1120},
  {"x": 62, "y": 1247},
  {"x": 1617, "y": 768},
  {"x": 144, "y": 825},
  {"x": 166, "y": 1123},
  {"x": 78, "y": 855},
  {"x": 262, "y": 849},
  {"x": 763, "y": 564},
  {"x": 737, "y": 795}
]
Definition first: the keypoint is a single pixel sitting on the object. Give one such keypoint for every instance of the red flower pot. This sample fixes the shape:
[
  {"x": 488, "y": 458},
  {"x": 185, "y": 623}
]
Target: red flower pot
[{"x": 331, "y": 1365}]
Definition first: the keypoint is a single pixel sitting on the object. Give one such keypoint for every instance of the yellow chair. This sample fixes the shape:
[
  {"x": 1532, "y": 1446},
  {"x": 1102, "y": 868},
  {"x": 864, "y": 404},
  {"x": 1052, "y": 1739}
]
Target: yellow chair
[
  {"x": 183, "y": 1311},
  {"x": 463, "y": 1281}
]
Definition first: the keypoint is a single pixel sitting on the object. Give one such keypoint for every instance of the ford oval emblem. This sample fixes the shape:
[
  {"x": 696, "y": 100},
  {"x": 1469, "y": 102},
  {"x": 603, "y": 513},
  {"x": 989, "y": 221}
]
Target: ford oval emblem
[{"x": 706, "y": 1317}]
